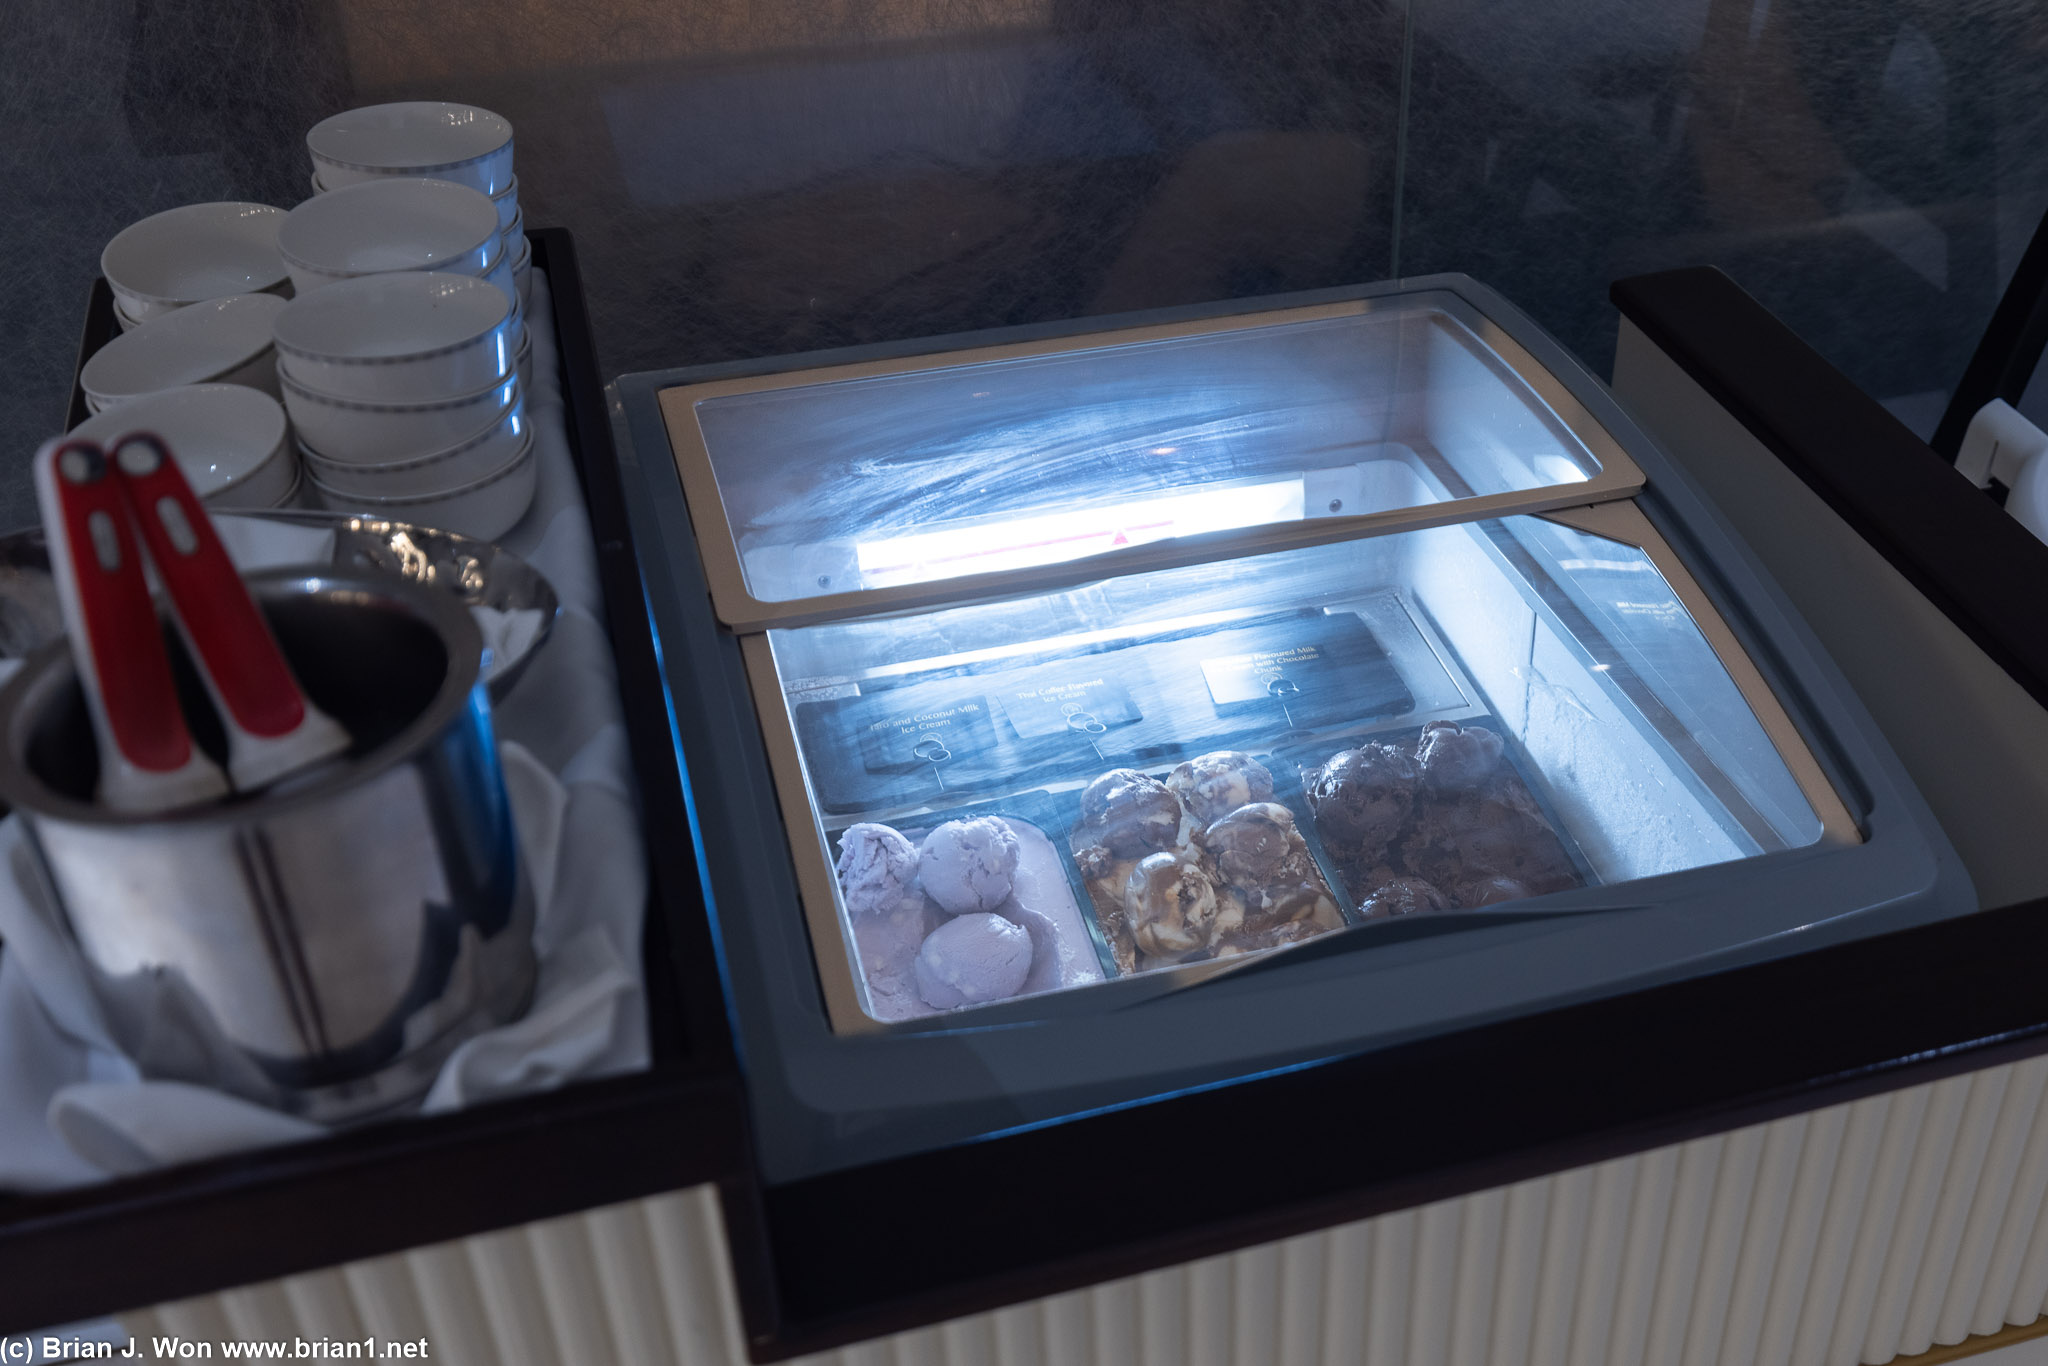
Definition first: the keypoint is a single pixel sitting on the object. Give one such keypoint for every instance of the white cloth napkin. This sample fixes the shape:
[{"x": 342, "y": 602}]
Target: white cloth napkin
[{"x": 74, "y": 1109}]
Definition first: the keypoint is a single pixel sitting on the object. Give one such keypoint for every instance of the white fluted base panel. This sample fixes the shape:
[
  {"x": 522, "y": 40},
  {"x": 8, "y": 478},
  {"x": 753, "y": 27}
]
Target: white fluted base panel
[{"x": 1854, "y": 1234}]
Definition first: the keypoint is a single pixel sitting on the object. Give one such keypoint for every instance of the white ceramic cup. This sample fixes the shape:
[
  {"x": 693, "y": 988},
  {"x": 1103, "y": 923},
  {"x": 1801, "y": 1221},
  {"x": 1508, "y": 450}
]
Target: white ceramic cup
[
  {"x": 229, "y": 439},
  {"x": 405, "y": 337},
  {"x": 457, "y": 467},
  {"x": 524, "y": 361},
  {"x": 379, "y": 433},
  {"x": 225, "y": 340},
  {"x": 486, "y": 509},
  {"x": 454, "y": 142},
  {"x": 388, "y": 225},
  {"x": 195, "y": 252}
]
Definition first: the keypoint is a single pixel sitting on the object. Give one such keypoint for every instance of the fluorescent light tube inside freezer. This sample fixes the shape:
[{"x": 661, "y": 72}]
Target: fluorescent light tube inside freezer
[{"x": 1053, "y": 537}]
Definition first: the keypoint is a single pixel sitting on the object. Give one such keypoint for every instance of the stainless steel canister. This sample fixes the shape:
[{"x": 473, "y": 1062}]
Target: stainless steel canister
[{"x": 324, "y": 945}]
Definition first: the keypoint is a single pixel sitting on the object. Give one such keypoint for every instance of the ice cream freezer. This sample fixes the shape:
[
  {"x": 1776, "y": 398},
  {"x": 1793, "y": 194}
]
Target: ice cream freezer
[
  {"x": 1139, "y": 789},
  {"x": 1094, "y": 732}
]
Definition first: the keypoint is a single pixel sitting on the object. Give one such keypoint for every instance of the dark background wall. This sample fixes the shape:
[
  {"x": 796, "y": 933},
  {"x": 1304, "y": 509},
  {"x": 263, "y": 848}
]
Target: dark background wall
[{"x": 748, "y": 176}]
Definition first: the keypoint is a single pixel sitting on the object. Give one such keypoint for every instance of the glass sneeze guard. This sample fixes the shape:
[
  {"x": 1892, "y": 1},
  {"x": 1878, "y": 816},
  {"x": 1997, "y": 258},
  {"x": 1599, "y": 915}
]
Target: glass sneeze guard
[{"x": 894, "y": 484}]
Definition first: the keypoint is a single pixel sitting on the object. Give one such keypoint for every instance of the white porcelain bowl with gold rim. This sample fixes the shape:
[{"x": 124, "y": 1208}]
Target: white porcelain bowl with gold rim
[
  {"x": 379, "y": 433},
  {"x": 506, "y": 202},
  {"x": 389, "y": 225},
  {"x": 522, "y": 272},
  {"x": 485, "y": 509},
  {"x": 501, "y": 274},
  {"x": 230, "y": 440},
  {"x": 194, "y": 252},
  {"x": 455, "y": 142},
  {"x": 215, "y": 340},
  {"x": 457, "y": 467},
  {"x": 405, "y": 337}
]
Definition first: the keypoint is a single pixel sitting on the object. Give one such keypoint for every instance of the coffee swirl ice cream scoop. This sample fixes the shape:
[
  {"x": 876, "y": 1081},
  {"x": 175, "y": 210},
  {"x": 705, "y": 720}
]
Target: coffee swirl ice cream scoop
[
  {"x": 1130, "y": 814},
  {"x": 1213, "y": 785},
  {"x": 1304, "y": 902},
  {"x": 1255, "y": 844},
  {"x": 1171, "y": 905},
  {"x": 1282, "y": 915}
]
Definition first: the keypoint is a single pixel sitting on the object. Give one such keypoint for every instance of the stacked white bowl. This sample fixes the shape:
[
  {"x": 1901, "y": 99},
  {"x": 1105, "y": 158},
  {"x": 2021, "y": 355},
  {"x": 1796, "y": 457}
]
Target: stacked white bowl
[
  {"x": 427, "y": 139},
  {"x": 196, "y": 290},
  {"x": 223, "y": 340},
  {"x": 189, "y": 254},
  {"x": 230, "y": 440},
  {"x": 404, "y": 389}
]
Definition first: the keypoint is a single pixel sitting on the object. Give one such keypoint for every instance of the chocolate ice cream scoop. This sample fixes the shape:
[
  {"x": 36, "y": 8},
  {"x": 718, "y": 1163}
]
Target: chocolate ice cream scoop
[
  {"x": 1253, "y": 843},
  {"x": 1360, "y": 797},
  {"x": 1402, "y": 896},
  {"x": 1488, "y": 891},
  {"x": 1171, "y": 906},
  {"x": 1130, "y": 814},
  {"x": 1094, "y": 861},
  {"x": 1213, "y": 785},
  {"x": 1494, "y": 831},
  {"x": 1455, "y": 758}
]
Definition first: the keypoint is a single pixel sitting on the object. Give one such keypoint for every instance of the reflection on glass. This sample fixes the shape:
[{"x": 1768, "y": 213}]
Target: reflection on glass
[{"x": 833, "y": 487}]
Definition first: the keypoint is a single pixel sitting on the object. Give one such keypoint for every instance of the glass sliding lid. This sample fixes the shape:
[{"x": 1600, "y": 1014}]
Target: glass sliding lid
[
  {"x": 1164, "y": 775},
  {"x": 884, "y": 485}
]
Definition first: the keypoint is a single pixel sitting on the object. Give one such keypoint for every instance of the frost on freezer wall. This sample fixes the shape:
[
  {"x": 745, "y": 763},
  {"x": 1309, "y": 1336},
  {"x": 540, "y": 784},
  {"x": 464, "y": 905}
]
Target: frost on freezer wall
[{"x": 1631, "y": 814}]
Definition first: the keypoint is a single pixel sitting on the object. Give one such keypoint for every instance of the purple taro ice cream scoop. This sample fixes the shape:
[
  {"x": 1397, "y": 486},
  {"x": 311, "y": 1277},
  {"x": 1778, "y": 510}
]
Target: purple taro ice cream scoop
[
  {"x": 973, "y": 959},
  {"x": 876, "y": 868},
  {"x": 969, "y": 866}
]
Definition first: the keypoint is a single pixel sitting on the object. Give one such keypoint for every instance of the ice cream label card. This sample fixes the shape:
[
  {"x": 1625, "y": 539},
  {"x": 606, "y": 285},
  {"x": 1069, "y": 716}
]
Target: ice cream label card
[
  {"x": 911, "y": 738},
  {"x": 899, "y": 746},
  {"x": 1263, "y": 675},
  {"x": 1321, "y": 669},
  {"x": 1067, "y": 702}
]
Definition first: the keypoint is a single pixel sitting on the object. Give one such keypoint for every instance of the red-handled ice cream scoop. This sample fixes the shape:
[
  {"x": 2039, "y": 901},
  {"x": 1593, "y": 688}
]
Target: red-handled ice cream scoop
[
  {"x": 147, "y": 759},
  {"x": 272, "y": 729}
]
